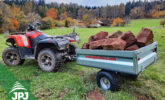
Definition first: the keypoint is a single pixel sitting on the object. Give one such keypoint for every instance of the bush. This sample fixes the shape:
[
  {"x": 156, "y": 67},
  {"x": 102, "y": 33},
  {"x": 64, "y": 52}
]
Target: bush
[
  {"x": 118, "y": 22},
  {"x": 69, "y": 22},
  {"x": 162, "y": 23},
  {"x": 106, "y": 21},
  {"x": 59, "y": 23},
  {"x": 47, "y": 23}
]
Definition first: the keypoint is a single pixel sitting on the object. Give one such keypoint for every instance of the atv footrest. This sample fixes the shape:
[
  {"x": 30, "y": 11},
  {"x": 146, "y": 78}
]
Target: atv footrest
[{"x": 29, "y": 57}]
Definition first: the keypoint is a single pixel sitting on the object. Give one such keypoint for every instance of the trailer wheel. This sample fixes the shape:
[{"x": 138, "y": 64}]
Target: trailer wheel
[
  {"x": 108, "y": 81},
  {"x": 47, "y": 60}
]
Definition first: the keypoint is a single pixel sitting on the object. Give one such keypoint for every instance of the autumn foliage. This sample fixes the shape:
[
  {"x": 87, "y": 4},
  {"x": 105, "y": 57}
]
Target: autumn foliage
[
  {"x": 86, "y": 18},
  {"x": 15, "y": 15},
  {"x": 118, "y": 22},
  {"x": 15, "y": 23},
  {"x": 48, "y": 23},
  {"x": 51, "y": 13},
  {"x": 69, "y": 21},
  {"x": 159, "y": 14}
]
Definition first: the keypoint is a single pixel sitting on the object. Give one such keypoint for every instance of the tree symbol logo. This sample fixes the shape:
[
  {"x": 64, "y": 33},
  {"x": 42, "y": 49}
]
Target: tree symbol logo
[{"x": 19, "y": 92}]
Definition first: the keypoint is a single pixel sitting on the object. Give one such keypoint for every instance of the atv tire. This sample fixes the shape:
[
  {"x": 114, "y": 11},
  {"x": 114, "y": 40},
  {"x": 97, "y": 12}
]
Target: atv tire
[
  {"x": 47, "y": 60},
  {"x": 11, "y": 57}
]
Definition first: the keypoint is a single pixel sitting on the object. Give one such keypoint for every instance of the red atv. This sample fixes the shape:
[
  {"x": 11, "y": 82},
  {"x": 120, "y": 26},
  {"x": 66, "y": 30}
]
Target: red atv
[{"x": 49, "y": 51}]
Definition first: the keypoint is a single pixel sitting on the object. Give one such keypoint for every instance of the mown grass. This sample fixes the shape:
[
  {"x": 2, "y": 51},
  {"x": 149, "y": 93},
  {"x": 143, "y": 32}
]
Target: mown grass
[{"x": 76, "y": 81}]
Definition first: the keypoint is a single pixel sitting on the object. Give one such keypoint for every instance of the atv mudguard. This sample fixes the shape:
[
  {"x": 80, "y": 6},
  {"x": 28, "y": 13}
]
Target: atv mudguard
[
  {"x": 19, "y": 40},
  {"x": 45, "y": 44},
  {"x": 52, "y": 43}
]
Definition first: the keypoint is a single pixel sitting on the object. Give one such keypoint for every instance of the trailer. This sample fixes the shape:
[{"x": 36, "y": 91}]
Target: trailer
[{"x": 115, "y": 63}]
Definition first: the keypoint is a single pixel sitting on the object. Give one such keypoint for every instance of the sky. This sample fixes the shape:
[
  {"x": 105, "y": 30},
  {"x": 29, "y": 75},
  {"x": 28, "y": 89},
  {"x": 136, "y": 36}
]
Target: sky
[{"x": 90, "y": 2}]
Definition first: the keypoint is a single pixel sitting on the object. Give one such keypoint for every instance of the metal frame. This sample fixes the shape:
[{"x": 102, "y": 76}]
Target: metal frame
[{"x": 126, "y": 61}]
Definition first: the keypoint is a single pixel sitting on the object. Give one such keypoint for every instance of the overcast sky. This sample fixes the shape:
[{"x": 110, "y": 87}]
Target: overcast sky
[{"x": 90, "y": 2}]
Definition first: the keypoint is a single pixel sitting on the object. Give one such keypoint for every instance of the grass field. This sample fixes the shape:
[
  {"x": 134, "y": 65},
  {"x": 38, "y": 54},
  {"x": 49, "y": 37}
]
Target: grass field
[{"x": 74, "y": 82}]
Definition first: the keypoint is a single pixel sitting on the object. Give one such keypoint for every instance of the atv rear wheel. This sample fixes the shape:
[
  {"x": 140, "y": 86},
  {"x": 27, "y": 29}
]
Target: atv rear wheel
[
  {"x": 47, "y": 60},
  {"x": 11, "y": 57}
]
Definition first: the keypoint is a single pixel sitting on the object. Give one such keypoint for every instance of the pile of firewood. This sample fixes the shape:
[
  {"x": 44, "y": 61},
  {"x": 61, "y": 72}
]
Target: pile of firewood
[{"x": 120, "y": 40}]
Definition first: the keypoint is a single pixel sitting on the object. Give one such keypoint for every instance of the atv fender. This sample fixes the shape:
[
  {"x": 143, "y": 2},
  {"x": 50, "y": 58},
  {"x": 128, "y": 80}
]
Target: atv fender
[
  {"x": 19, "y": 40},
  {"x": 42, "y": 46}
]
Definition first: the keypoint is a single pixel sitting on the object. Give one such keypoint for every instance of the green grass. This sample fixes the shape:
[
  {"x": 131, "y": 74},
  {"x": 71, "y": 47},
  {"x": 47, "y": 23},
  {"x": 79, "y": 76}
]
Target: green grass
[{"x": 77, "y": 80}]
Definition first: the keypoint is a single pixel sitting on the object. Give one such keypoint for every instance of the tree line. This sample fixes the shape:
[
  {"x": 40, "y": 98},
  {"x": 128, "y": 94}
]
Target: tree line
[{"x": 18, "y": 13}]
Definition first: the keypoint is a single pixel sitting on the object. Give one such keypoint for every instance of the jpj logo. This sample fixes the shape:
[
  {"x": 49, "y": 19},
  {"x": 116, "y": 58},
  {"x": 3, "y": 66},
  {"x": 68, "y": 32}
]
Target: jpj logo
[
  {"x": 20, "y": 96},
  {"x": 18, "y": 92}
]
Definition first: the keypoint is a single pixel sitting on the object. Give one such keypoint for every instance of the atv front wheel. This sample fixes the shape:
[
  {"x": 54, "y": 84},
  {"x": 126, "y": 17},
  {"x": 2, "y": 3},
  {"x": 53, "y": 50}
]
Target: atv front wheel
[
  {"x": 11, "y": 57},
  {"x": 47, "y": 60}
]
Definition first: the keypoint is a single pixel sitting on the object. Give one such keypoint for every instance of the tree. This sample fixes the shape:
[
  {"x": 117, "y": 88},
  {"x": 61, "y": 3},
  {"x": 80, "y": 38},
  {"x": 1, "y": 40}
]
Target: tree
[
  {"x": 162, "y": 14},
  {"x": 28, "y": 7},
  {"x": 104, "y": 12},
  {"x": 106, "y": 21},
  {"x": 59, "y": 23},
  {"x": 122, "y": 10},
  {"x": 81, "y": 12},
  {"x": 42, "y": 11},
  {"x": 15, "y": 24},
  {"x": 118, "y": 22},
  {"x": 1, "y": 21},
  {"x": 87, "y": 19},
  {"x": 47, "y": 23},
  {"x": 69, "y": 22},
  {"x": 15, "y": 10},
  {"x": 33, "y": 17},
  {"x": 23, "y": 23},
  {"x": 20, "y": 18},
  {"x": 66, "y": 23},
  {"x": 6, "y": 15},
  {"x": 137, "y": 12},
  {"x": 51, "y": 13},
  {"x": 157, "y": 14},
  {"x": 63, "y": 16}
]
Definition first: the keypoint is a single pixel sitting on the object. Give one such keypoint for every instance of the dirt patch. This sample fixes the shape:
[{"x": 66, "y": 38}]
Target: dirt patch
[
  {"x": 80, "y": 73},
  {"x": 45, "y": 93},
  {"x": 162, "y": 36},
  {"x": 62, "y": 93},
  {"x": 95, "y": 95},
  {"x": 142, "y": 98},
  {"x": 35, "y": 74}
]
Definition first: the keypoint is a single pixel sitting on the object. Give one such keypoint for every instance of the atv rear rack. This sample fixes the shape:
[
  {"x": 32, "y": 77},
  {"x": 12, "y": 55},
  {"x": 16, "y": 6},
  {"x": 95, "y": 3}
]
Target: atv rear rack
[{"x": 17, "y": 33}]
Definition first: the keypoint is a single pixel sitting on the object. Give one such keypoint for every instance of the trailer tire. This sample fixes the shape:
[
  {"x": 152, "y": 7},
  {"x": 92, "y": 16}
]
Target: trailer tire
[
  {"x": 108, "y": 81},
  {"x": 47, "y": 60}
]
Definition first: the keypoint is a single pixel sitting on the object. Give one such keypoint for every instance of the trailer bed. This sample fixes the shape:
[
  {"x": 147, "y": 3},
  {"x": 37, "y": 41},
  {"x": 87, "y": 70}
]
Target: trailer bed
[{"x": 130, "y": 62}]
